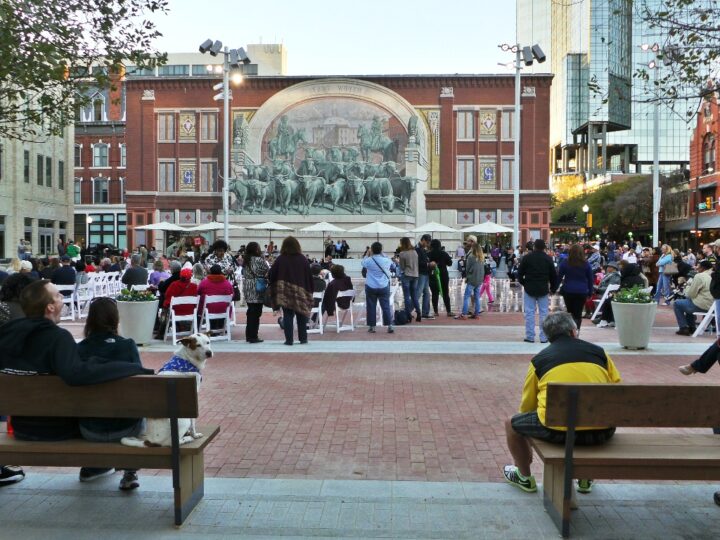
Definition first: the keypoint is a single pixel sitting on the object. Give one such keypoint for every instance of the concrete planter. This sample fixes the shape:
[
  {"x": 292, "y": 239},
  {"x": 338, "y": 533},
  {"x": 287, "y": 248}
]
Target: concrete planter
[
  {"x": 634, "y": 323},
  {"x": 137, "y": 320}
]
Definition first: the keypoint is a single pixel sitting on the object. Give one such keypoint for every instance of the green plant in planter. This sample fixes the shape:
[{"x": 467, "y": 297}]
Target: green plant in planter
[
  {"x": 633, "y": 295},
  {"x": 136, "y": 296}
]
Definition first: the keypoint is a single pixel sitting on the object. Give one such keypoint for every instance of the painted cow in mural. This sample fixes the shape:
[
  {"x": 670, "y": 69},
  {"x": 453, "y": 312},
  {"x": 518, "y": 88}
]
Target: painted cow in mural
[
  {"x": 311, "y": 189},
  {"x": 335, "y": 192},
  {"x": 355, "y": 194},
  {"x": 403, "y": 187},
  {"x": 376, "y": 189}
]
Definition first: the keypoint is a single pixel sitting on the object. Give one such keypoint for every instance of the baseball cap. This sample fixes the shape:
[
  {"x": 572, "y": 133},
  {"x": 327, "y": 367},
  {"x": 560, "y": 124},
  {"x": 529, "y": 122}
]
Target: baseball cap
[
  {"x": 473, "y": 238},
  {"x": 716, "y": 243},
  {"x": 613, "y": 264},
  {"x": 65, "y": 258}
]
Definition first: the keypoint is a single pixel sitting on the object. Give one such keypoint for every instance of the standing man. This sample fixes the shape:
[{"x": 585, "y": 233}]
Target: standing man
[
  {"x": 538, "y": 277},
  {"x": 423, "y": 284},
  {"x": 567, "y": 359},
  {"x": 21, "y": 249}
]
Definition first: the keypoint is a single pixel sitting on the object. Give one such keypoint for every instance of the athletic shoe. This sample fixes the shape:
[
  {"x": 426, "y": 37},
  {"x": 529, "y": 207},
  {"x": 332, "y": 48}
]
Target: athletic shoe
[
  {"x": 429, "y": 317},
  {"x": 391, "y": 330},
  {"x": 684, "y": 331},
  {"x": 686, "y": 370},
  {"x": 461, "y": 317},
  {"x": 88, "y": 474},
  {"x": 10, "y": 474},
  {"x": 513, "y": 476},
  {"x": 603, "y": 324},
  {"x": 611, "y": 324},
  {"x": 129, "y": 481},
  {"x": 371, "y": 329},
  {"x": 584, "y": 486}
]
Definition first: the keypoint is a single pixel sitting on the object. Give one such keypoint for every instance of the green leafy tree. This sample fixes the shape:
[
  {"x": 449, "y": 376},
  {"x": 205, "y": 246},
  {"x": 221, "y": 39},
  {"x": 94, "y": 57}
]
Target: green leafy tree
[{"x": 51, "y": 50}]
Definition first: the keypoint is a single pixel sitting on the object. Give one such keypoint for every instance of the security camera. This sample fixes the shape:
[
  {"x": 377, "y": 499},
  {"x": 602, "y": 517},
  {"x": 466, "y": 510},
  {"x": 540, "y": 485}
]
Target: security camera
[
  {"x": 216, "y": 47},
  {"x": 538, "y": 53},
  {"x": 205, "y": 47}
]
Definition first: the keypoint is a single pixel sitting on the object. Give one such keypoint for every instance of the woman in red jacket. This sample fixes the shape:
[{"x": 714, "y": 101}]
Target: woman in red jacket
[
  {"x": 214, "y": 284},
  {"x": 181, "y": 287}
]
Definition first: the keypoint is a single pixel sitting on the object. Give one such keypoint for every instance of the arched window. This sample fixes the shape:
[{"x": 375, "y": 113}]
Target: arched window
[
  {"x": 100, "y": 155},
  {"x": 709, "y": 153}
]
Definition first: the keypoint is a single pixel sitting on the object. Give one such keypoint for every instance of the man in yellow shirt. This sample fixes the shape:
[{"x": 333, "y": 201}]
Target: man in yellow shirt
[{"x": 566, "y": 360}]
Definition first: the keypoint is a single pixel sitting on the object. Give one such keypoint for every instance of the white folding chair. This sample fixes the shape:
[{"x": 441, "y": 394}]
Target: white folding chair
[
  {"x": 610, "y": 289},
  {"x": 174, "y": 318},
  {"x": 707, "y": 318},
  {"x": 340, "y": 325},
  {"x": 316, "y": 326},
  {"x": 68, "y": 292},
  {"x": 225, "y": 316},
  {"x": 84, "y": 294}
]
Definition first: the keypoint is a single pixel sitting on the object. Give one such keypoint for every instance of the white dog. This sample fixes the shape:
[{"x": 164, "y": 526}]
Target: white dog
[{"x": 190, "y": 357}]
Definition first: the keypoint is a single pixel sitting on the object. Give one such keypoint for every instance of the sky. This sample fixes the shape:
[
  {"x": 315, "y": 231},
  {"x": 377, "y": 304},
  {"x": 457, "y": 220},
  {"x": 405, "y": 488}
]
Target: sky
[{"x": 367, "y": 37}]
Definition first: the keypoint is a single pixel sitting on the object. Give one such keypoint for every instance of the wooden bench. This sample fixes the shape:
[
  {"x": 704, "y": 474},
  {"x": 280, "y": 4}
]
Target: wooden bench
[
  {"x": 628, "y": 456},
  {"x": 135, "y": 397}
]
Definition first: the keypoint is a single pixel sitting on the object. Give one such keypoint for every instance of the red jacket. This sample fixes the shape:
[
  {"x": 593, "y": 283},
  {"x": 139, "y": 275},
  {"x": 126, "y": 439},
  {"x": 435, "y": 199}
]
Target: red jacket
[
  {"x": 180, "y": 288},
  {"x": 214, "y": 285}
]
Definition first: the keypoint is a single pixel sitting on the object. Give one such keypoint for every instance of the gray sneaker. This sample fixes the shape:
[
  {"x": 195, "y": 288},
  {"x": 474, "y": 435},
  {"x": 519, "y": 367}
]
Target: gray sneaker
[{"x": 129, "y": 481}]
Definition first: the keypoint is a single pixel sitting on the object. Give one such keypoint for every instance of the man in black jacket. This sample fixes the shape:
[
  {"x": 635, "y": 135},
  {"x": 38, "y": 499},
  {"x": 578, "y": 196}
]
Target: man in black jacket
[
  {"x": 36, "y": 345},
  {"x": 538, "y": 277}
]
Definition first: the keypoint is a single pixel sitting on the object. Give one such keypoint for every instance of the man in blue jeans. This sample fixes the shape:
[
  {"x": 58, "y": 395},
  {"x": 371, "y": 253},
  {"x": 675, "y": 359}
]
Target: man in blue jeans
[
  {"x": 538, "y": 277},
  {"x": 423, "y": 282},
  {"x": 377, "y": 268}
]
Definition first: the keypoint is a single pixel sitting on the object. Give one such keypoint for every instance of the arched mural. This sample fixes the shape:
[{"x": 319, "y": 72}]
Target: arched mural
[{"x": 327, "y": 148}]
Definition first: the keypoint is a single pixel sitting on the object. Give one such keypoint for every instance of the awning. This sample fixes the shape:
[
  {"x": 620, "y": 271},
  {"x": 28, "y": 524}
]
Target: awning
[{"x": 711, "y": 221}]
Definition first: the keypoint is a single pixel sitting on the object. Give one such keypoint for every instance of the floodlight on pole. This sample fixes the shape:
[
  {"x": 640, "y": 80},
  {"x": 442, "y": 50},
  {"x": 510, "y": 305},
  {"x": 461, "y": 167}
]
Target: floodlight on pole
[
  {"x": 524, "y": 55},
  {"x": 238, "y": 55}
]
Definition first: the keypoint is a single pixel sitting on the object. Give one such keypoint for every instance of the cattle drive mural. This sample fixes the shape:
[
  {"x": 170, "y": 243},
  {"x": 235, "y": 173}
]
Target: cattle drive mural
[{"x": 339, "y": 156}]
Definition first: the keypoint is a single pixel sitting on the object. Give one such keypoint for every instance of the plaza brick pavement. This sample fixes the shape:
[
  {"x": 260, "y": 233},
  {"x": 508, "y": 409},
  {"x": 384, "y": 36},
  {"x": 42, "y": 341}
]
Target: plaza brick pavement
[{"x": 388, "y": 415}]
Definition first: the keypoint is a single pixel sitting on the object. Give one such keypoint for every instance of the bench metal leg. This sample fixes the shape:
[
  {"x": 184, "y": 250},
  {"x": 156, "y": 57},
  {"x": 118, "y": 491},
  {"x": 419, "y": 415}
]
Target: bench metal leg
[
  {"x": 554, "y": 499},
  {"x": 191, "y": 486}
]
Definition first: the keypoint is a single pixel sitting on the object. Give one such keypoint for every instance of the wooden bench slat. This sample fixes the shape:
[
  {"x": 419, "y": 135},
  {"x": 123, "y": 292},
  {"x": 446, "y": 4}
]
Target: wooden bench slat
[
  {"x": 134, "y": 397},
  {"x": 636, "y": 405},
  {"x": 640, "y": 449},
  {"x": 9, "y": 444}
]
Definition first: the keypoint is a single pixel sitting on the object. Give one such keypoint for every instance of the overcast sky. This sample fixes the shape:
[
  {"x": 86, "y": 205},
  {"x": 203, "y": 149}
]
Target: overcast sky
[{"x": 336, "y": 37}]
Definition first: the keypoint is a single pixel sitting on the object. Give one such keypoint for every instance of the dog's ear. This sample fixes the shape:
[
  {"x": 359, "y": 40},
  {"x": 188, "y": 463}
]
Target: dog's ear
[{"x": 189, "y": 342}]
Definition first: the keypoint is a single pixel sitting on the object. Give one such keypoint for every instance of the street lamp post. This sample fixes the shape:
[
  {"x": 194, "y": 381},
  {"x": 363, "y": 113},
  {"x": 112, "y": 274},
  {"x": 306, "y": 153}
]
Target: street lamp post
[
  {"x": 231, "y": 58},
  {"x": 586, "y": 209},
  {"x": 526, "y": 55},
  {"x": 656, "y": 192}
]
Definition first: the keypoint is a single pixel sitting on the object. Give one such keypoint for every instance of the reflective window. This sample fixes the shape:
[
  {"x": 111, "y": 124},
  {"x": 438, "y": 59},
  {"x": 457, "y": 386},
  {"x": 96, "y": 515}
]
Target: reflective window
[
  {"x": 465, "y": 125},
  {"x": 166, "y": 176},
  {"x": 166, "y": 127},
  {"x": 466, "y": 173},
  {"x": 708, "y": 153}
]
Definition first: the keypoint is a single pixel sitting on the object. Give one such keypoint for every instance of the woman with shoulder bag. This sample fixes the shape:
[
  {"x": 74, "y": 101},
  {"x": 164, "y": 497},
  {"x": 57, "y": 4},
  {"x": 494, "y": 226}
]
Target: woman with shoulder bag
[
  {"x": 255, "y": 271},
  {"x": 666, "y": 269}
]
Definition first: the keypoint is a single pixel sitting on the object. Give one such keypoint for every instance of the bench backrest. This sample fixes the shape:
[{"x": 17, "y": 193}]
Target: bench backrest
[
  {"x": 134, "y": 397},
  {"x": 635, "y": 405}
]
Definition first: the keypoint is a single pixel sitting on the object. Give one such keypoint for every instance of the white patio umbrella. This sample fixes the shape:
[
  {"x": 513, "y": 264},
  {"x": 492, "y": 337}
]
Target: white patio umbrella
[
  {"x": 269, "y": 226},
  {"x": 161, "y": 226},
  {"x": 486, "y": 228},
  {"x": 213, "y": 226},
  {"x": 323, "y": 227},
  {"x": 377, "y": 228},
  {"x": 434, "y": 227}
]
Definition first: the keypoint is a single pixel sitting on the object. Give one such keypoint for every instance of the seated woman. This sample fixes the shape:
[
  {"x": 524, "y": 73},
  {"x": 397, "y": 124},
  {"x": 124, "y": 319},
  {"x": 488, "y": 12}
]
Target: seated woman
[
  {"x": 340, "y": 282},
  {"x": 102, "y": 343},
  {"x": 214, "y": 284},
  {"x": 182, "y": 287},
  {"x": 158, "y": 274}
]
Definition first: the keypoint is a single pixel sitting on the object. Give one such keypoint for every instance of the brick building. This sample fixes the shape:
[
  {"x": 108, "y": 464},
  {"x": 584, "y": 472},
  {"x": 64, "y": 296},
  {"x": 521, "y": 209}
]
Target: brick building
[
  {"x": 445, "y": 141},
  {"x": 703, "y": 197}
]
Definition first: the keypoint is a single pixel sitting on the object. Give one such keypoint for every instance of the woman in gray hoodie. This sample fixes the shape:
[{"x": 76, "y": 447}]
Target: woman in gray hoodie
[{"x": 474, "y": 276}]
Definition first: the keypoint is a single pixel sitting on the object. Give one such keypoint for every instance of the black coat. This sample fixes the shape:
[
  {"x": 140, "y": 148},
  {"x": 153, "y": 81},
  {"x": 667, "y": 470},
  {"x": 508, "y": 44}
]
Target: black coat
[{"x": 537, "y": 274}]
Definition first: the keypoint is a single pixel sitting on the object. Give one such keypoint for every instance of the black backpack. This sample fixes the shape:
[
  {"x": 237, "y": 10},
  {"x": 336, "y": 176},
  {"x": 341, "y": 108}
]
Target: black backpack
[{"x": 401, "y": 318}]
